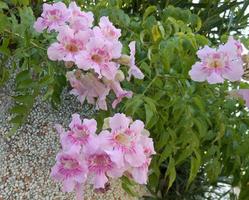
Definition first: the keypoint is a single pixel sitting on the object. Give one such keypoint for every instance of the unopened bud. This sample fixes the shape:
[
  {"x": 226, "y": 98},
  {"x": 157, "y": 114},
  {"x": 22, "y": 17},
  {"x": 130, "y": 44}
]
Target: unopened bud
[
  {"x": 145, "y": 132},
  {"x": 119, "y": 76},
  {"x": 245, "y": 58},
  {"x": 123, "y": 60},
  {"x": 106, "y": 124},
  {"x": 69, "y": 64},
  {"x": 77, "y": 74}
]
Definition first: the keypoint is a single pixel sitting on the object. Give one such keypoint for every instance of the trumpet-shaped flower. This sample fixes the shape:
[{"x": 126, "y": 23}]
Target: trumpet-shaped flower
[
  {"x": 71, "y": 170},
  {"x": 119, "y": 91},
  {"x": 89, "y": 87},
  {"x": 102, "y": 163},
  {"x": 134, "y": 70},
  {"x": 123, "y": 138},
  {"x": 69, "y": 45},
  {"x": 220, "y": 64},
  {"x": 52, "y": 17},
  {"x": 97, "y": 56},
  {"x": 107, "y": 30},
  {"x": 81, "y": 133},
  {"x": 80, "y": 20}
]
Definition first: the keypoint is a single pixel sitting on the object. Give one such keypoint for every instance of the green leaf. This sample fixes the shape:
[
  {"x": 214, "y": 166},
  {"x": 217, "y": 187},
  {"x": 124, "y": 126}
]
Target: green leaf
[
  {"x": 149, "y": 11},
  {"x": 4, "y": 47},
  {"x": 3, "y": 5},
  {"x": 19, "y": 109},
  {"x": 171, "y": 172},
  {"x": 21, "y": 76},
  {"x": 4, "y": 22},
  {"x": 24, "y": 99},
  {"x": 18, "y": 119},
  {"x": 168, "y": 149},
  {"x": 195, "y": 165},
  {"x": 128, "y": 185}
]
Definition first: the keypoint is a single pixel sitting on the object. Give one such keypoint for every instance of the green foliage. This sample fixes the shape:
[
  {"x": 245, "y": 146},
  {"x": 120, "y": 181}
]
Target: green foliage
[{"x": 201, "y": 136}]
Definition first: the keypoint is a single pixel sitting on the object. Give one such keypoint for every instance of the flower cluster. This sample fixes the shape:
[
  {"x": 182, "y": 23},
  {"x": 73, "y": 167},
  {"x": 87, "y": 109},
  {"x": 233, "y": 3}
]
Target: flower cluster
[
  {"x": 95, "y": 50},
  {"x": 123, "y": 147},
  {"x": 219, "y": 64}
]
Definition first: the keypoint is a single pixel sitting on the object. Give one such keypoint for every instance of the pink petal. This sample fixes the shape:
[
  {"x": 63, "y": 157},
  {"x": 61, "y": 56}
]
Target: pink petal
[
  {"x": 68, "y": 185},
  {"x": 137, "y": 158},
  {"x": 117, "y": 157},
  {"x": 75, "y": 121},
  {"x": 198, "y": 73},
  {"x": 215, "y": 78},
  {"x": 204, "y": 52},
  {"x": 91, "y": 125},
  {"x": 140, "y": 174},
  {"x": 39, "y": 25},
  {"x": 109, "y": 70},
  {"x": 54, "y": 52},
  {"x": 119, "y": 121},
  {"x": 235, "y": 71},
  {"x": 137, "y": 126},
  {"x": 100, "y": 180}
]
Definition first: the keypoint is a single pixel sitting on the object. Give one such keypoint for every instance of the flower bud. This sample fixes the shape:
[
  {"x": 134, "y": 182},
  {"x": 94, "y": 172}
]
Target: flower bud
[
  {"x": 145, "y": 132},
  {"x": 245, "y": 58},
  {"x": 77, "y": 74},
  {"x": 123, "y": 60},
  {"x": 119, "y": 76},
  {"x": 69, "y": 64},
  {"x": 106, "y": 124}
]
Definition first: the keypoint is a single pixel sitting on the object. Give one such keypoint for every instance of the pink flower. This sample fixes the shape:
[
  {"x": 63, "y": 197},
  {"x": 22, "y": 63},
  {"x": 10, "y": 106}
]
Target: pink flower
[
  {"x": 102, "y": 163},
  {"x": 134, "y": 70},
  {"x": 97, "y": 56},
  {"x": 217, "y": 65},
  {"x": 89, "y": 87},
  {"x": 71, "y": 170},
  {"x": 123, "y": 138},
  {"x": 80, "y": 20},
  {"x": 119, "y": 92},
  {"x": 244, "y": 93},
  {"x": 107, "y": 30},
  {"x": 52, "y": 17},
  {"x": 69, "y": 45},
  {"x": 80, "y": 135}
]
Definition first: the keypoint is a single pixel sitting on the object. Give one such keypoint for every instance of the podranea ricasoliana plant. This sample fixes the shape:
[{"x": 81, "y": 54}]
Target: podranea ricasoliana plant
[
  {"x": 123, "y": 147},
  {"x": 95, "y": 51}
]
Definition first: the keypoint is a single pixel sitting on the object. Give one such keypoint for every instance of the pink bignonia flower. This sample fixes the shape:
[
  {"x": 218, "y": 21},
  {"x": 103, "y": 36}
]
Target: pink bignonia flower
[
  {"x": 98, "y": 56},
  {"x": 89, "y": 87},
  {"x": 80, "y": 135},
  {"x": 124, "y": 138},
  {"x": 134, "y": 70},
  {"x": 107, "y": 30},
  {"x": 71, "y": 170},
  {"x": 79, "y": 20},
  {"x": 69, "y": 45},
  {"x": 52, "y": 17},
  {"x": 220, "y": 64},
  {"x": 102, "y": 163}
]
